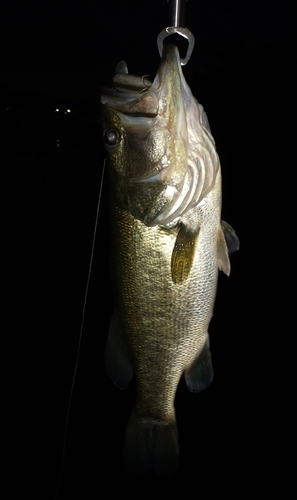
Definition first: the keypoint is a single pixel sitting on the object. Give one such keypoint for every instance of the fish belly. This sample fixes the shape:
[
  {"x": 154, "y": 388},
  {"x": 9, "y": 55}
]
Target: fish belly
[{"x": 163, "y": 326}]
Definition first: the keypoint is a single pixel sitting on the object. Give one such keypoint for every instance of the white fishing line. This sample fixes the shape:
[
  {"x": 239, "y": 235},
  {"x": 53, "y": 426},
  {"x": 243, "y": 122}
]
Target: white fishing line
[{"x": 80, "y": 335}]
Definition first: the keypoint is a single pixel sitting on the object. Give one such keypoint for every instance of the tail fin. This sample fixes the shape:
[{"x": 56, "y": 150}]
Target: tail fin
[{"x": 150, "y": 444}]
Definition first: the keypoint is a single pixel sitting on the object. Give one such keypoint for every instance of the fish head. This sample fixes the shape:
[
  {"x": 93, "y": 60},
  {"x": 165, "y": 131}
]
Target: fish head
[{"x": 160, "y": 151}]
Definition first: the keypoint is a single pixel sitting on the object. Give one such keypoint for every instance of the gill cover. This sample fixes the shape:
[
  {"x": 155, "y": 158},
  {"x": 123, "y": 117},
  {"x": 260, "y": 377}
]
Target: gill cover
[{"x": 165, "y": 162}]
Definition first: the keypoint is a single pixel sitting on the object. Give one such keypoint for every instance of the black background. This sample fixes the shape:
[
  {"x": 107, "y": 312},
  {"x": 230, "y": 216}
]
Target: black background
[{"x": 238, "y": 436}]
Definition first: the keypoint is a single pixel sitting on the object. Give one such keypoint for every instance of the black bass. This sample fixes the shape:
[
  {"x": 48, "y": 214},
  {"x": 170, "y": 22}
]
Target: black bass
[{"x": 167, "y": 243}]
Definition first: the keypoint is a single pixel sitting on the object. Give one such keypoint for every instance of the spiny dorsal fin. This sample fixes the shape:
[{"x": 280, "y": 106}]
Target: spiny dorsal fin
[
  {"x": 183, "y": 254},
  {"x": 223, "y": 256},
  {"x": 230, "y": 237}
]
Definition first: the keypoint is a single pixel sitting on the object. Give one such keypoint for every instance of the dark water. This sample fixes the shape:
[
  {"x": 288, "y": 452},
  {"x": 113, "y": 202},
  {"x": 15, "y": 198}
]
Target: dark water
[{"x": 238, "y": 433}]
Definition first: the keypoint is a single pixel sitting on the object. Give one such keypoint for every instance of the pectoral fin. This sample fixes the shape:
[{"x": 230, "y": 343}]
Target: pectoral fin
[
  {"x": 118, "y": 364},
  {"x": 183, "y": 254},
  {"x": 200, "y": 374}
]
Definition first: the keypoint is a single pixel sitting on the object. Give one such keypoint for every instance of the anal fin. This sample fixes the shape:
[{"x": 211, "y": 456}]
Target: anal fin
[{"x": 118, "y": 364}]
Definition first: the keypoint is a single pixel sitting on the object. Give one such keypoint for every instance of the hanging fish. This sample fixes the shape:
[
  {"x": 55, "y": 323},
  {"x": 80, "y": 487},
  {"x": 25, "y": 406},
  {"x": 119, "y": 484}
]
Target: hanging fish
[{"x": 167, "y": 244}]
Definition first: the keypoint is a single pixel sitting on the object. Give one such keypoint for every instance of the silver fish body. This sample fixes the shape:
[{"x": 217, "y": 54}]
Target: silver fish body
[{"x": 167, "y": 244}]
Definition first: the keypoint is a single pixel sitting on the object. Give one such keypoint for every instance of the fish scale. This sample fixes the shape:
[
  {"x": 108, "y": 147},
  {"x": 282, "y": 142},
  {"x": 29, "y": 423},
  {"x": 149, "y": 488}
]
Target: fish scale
[
  {"x": 157, "y": 315},
  {"x": 167, "y": 244}
]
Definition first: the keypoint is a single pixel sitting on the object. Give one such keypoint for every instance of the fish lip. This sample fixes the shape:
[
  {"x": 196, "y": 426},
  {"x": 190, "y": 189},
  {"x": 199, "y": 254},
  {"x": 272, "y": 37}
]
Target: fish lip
[
  {"x": 170, "y": 62},
  {"x": 146, "y": 104}
]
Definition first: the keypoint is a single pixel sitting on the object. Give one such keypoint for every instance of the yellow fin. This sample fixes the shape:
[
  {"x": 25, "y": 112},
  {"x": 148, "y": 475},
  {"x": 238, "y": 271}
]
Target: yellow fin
[
  {"x": 223, "y": 255},
  {"x": 183, "y": 254}
]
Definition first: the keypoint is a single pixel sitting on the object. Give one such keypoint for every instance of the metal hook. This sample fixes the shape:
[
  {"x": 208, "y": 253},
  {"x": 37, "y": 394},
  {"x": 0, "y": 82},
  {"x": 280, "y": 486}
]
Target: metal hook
[{"x": 177, "y": 21}]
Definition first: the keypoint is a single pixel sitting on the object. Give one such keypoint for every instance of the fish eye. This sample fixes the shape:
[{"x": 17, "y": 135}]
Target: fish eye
[{"x": 111, "y": 137}]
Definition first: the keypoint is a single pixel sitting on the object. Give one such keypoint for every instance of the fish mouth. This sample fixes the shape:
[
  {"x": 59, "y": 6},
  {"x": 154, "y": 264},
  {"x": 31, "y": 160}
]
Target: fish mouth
[
  {"x": 148, "y": 102},
  {"x": 169, "y": 149},
  {"x": 134, "y": 104}
]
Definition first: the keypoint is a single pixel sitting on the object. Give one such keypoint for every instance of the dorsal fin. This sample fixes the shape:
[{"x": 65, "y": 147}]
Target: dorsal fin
[
  {"x": 223, "y": 255},
  {"x": 230, "y": 237}
]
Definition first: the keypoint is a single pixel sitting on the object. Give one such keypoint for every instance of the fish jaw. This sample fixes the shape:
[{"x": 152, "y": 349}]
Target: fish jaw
[{"x": 164, "y": 162}]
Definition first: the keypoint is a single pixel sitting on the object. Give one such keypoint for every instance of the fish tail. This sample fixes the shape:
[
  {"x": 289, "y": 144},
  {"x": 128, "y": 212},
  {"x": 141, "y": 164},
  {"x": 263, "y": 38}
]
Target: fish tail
[{"x": 151, "y": 445}]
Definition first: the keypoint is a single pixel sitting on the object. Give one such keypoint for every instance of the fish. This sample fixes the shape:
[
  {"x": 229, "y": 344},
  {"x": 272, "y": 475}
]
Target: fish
[{"x": 167, "y": 244}]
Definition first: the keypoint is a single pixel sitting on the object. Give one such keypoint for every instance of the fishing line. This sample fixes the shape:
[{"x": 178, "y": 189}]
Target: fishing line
[{"x": 80, "y": 333}]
